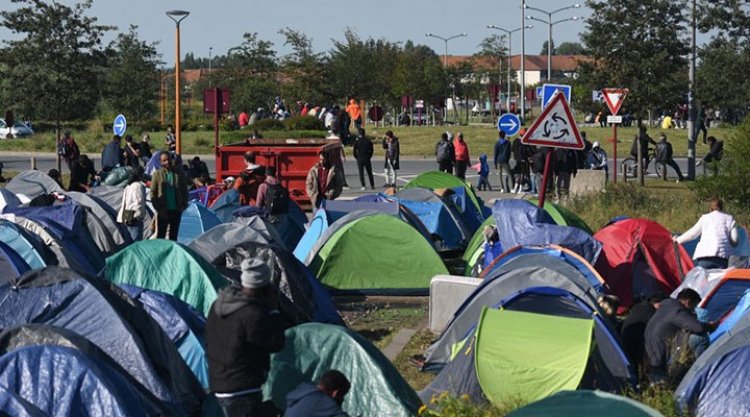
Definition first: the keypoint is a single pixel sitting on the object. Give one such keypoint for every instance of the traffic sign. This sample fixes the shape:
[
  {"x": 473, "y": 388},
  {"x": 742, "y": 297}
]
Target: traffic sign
[
  {"x": 420, "y": 104},
  {"x": 509, "y": 123},
  {"x": 549, "y": 90},
  {"x": 614, "y": 98},
  {"x": 539, "y": 92},
  {"x": 555, "y": 127},
  {"x": 119, "y": 126},
  {"x": 614, "y": 119}
]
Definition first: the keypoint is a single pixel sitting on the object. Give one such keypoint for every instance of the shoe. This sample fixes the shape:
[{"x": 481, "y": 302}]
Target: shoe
[
  {"x": 346, "y": 187},
  {"x": 699, "y": 163},
  {"x": 678, "y": 181},
  {"x": 372, "y": 187},
  {"x": 363, "y": 189}
]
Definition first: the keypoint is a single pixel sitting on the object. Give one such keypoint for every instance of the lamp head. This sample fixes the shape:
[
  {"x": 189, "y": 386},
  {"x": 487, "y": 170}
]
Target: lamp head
[{"x": 178, "y": 15}]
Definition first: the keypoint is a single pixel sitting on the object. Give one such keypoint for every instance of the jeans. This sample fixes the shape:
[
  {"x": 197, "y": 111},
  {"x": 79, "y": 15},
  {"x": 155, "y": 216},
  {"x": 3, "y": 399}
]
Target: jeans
[
  {"x": 483, "y": 184},
  {"x": 168, "y": 218},
  {"x": 674, "y": 166},
  {"x": 363, "y": 166},
  {"x": 461, "y": 169},
  {"x": 534, "y": 183},
  {"x": 390, "y": 174},
  {"x": 248, "y": 405},
  {"x": 712, "y": 262},
  {"x": 507, "y": 183},
  {"x": 135, "y": 229}
]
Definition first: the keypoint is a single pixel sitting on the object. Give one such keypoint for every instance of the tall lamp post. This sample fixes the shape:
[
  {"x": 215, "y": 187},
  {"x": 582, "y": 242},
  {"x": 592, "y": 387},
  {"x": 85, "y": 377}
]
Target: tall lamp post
[
  {"x": 510, "y": 45},
  {"x": 210, "y": 49},
  {"x": 549, "y": 29},
  {"x": 445, "y": 60},
  {"x": 177, "y": 16}
]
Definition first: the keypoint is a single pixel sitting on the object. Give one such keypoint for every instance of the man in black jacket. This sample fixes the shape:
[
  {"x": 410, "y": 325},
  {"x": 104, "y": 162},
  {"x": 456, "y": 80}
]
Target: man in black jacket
[
  {"x": 502, "y": 162},
  {"x": 566, "y": 166},
  {"x": 243, "y": 329},
  {"x": 363, "y": 154},
  {"x": 664, "y": 157},
  {"x": 634, "y": 327},
  {"x": 445, "y": 153}
]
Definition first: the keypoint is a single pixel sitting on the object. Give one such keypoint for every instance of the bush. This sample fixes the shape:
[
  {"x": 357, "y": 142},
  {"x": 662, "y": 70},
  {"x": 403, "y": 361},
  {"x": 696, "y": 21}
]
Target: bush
[
  {"x": 227, "y": 125},
  {"x": 267, "y": 124},
  {"x": 304, "y": 123}
]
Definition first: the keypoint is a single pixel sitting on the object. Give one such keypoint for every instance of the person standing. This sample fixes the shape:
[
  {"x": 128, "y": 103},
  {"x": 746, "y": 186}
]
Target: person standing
[
  {"x": 521, "y": 156},
  {"x": 538, "y": 160},
  {"x": 700, "y": 123},
  {"x": 363, "y": 151},
  {"x": 112, "y": 155},
  {"x": 392, "y": 154},
  {"x": 243, "y": 328},
  {"x": 664, "y": 157},
  {"x": 715, "y": 153},
  {"x": 484, "y": 172},
  {"x": 321, "y": 400},
  {"x": 355, "y": 113},
  {"x": 68, "y": 149},
  {"x": 133, "y": 208},
  {"x": 145, "y": 148},
  {"x": 502, "y": 163},
  {"x": 445, "y": 154},
  {"x": 642, "y": 140},
  {"x": 565, "y": 168},
  {"x": 271, "y": 195},
  {"x": 718, "y": 234},
  {"x": 581, "y": 154},
  {"x": 462, "y": 156},
  {"x": 243, "y": 119},
  {"x": 169, "y": 196},
  {"x": 170, "y": 139},
  {"x": 323, "y": 181},
  {"x": 249, "y": 180}
]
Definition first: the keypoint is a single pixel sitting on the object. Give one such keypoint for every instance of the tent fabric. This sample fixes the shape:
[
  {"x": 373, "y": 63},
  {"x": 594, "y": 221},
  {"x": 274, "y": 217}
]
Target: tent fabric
[
  {"x": 472, "y": 215},
  {"x": 720, "y": 289},
  {"x": 290, "y": 225},
  {"x": 100, "y": 232},
  {"x": 33, "y": 183},
  {"x": 27, "y": 245},
  {"x": 72, "y": 384},
  {"x": 377, "y": 388},
  {"x": 302, "y": 297},
  {"x": 11, "y": 263},
  {"x": 532, "y": 357},
  {"x": 439, "y": 215},
  {"x": 521, "y": 223},
  {"x": 332, "y": 229},
  {"x": 223, "y": 237},
  {"x": 112, "y": 197},
  {"x": 477, "y": 240},
  {"x": 740, "y": 310},
  {"x": 106, "y": 214},
  {"x": 369, "y": 255},
  {"x": 103, "y": 314},
  {"x": 11, "y": 404},
  {"x": 196, "y": 219},
  {"x": 584, "y": 403},
  {"x": 437, "y": 179},
  {"x": 66, "y": 255},
  {"x": 563, "y": 216},
  {"x": 640, "y": 258},
  {"x": 166, "y": 266},
  {"x": 225, "y": 204},
  {"x": 315, "y": 229},
  {"x": 8, "y": 199},
  {"x": 118, "y": 177}
]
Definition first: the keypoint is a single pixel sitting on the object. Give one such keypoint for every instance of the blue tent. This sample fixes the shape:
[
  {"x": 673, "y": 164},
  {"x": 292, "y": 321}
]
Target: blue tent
[
  {"x": 225, "y": 205},
  {"x": 473, "y": 216},
  {"x": 315, "y": 229},
  {"x": 11, "y": 264},
  {"x": 439, "y": 216},
  {"x": 100, "y": 312},
  {"x": 27, "y": 245},
  {"x": 520, "y": 223},
  {"x": 740, "y": 311},
  {"x": 196, "y": 220},
  {"x": 183, "y": 324},
  {"x": 11, "y": 404}
]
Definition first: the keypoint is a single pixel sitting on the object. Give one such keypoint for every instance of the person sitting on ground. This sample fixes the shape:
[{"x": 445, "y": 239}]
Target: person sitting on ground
[
  {"x": 82, "y": 174},
  {"x": 718, "y": 235},
  {"x": 321, "y": 400},
  {"x": 634, "y": 326}
]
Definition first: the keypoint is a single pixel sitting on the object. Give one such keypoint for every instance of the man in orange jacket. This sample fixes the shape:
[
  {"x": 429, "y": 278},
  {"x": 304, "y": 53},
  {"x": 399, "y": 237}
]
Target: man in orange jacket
[{"x": 355, "y": 113}]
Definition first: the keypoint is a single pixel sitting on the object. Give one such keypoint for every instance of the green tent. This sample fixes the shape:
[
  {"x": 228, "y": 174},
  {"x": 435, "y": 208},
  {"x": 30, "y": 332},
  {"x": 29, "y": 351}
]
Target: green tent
[
  {"x": 586, "y": 403},
  {"x": 563, "y": 216},
  {"x": 167, "y": 266},
  {"x": 438, "y": 179},
  {"x": 377, "y": 254},
  {"x": 311, "y": 349},
  {"x": 522, "y": 357},
  {"x": 476, "y": 242}
]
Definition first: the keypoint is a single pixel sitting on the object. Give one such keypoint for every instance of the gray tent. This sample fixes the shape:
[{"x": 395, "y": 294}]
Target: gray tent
[
  {"x": 223, "y": 237},
  {"x": 106, "y": 214},
  {"x": 112, "y": 196},
  {"x": 264, "y": 227},
  {"x": 525, "y": 271},
  {"x": 64, "y": 257},
  {"x": 33, "y": 183}
]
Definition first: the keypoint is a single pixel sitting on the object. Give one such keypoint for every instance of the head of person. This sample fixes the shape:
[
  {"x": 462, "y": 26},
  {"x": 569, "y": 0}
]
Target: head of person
[
  {"x": 656, "y": 299},
  {"x": 170, "y": 129},
  {"x": 271, "y": 171},
  {"x": 334, "y": 384},
  {"x": 642, "y": 129},
  {"x": 501, "y": 134},
  {"x": 146, "y": 138},
  {"x": 250, "y": 157},
  {"x": 54, "y": 174},
  {"x": 324, "y": 159},
  {"x": 352, "y": 101},
  {"x": 165, "y": 160},
  {"x": 662, "y": 137},
  {"x": 228, "y": 181},
  {"x": 129, "y": 139},
  {"x": 116, "y": 138},
  {"x": 195, "y": 161},
  {"x": 689, "y": 299},
  {"x": 583, "y": 135},
  {"x": 521, "y": 132},
  {"x": 389, "y": 134},
  {"x": 66, "y": 134},
  {"x": 83, "y": 159},
  {"x": 360, "y": 132},
  {"x": 595, "y": 145},
  {"x": 135, "y": 175},
  {"x": 444, "y": 136},
  {"x": 460, "y": 136},
  {"x": 609, "y": 305},
  {"x": 255, "y": 278},
  {"x": 716, "y": 204}
]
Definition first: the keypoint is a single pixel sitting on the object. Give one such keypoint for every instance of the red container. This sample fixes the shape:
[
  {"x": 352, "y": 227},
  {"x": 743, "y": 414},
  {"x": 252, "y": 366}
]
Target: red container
[{"x": 292, "y": 158}]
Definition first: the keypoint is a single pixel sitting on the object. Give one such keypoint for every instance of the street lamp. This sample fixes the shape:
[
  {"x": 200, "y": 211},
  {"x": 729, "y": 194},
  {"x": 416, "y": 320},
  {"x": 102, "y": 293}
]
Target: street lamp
[
  {"x": 210, "y": 49},
  {"x": 177, "y": 16},
  {"x": 510, "y": 34},
  {"x": 445, "y": 57},
  {"x": 549, "y": 29}
]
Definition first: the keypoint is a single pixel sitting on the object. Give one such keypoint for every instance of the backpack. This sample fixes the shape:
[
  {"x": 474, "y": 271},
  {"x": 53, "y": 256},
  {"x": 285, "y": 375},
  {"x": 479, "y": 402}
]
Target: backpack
[
  {"x": 62, "y": 149},
  {"x": 443, "y": 151},
  {"x": 277, "y": 199}
]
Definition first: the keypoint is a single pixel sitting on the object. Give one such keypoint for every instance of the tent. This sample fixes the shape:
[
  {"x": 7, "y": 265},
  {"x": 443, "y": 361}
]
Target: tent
[
  {"x": 101, "y": 229},
  {"x": 221, "y": 238},
  {"x": 436, "y": 179},
  {"x": 106, "y": 214},
  {"x": 196, "y": 220},
  {"x": 530, "y": 270},
  {"x": 11, "y": 263},
  {"x": 302, "y": 297},
  {"x": 312, "y": 349},
  {"x": 585, "y": 403},
  {"x": 440, "y": 217},
  {"x": 563, "y": 216},
  {"x": 720, "y": 289},
  {"x": 316, "y": 227},
  {"x": 290, "y": 225},
  {"x": 11, "y": 404},
  {"x": 536, "y": 342},
  {"x": 33, "y": 183},
  {"x": 103, "y": 314},
  {"x": 27, "y": 245},
  {"x": 377, "y": 202},
  {"x": 739, "y": 311},
  {"x": 112, "y": 197},
  {"x": 184, "y": 326},
  {"x": 361, "y": 255},
  {"x": 226, "y": 204},
  {"x": 166, "y": 266},
  {"x": 8, "y": 199},
  {"x": 67, "y": 254},
  {"x": 474, "y": 252},
  {"x": 639, "y": 258}
]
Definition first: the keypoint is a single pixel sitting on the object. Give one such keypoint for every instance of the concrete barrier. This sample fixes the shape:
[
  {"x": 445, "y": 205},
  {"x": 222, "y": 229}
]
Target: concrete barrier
[
  {"x": 587, "y": 181},
  {"x": 447, "y": 293}
]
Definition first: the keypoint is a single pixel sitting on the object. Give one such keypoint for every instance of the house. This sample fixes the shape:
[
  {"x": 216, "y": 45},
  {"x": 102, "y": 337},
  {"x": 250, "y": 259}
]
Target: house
[{"x": 535, "y": 66}]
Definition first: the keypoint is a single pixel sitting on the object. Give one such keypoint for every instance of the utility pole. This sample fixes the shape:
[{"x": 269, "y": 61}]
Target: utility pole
[{"x": 691, "y": 100}]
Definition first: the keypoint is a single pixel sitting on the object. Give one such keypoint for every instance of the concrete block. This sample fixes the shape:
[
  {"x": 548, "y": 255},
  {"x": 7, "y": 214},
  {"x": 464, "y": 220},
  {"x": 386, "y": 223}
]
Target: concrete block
[
  {"x": 587, "y": 181},
  {"x": 447, "y": 293}
]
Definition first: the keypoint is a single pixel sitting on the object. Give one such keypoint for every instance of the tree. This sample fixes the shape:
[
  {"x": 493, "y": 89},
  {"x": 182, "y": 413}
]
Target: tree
[
  {"x": 303, "y": 71},
  {"x": 131, "y": 82},
  {"x": 251, "y": 73},
  {"x": 638, "y": 44},
  {"x": 491, "y": 64},
  {"x": 419, "y": 73},
  {"x": 54, "y": 68},
  {"x": 544, "y": 48},
  {"x": 568, "y": 48},
  {"x": 720, "y": 57}
]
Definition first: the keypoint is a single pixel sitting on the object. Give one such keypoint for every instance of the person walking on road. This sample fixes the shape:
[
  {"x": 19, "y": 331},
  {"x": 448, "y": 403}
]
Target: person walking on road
[
  {"x": 664, "y": 157},
  {"x": 502, "y": 163},
  {"x": 363, "y": 151},
  {"x": 392, "y": 154},
  {"x": 718, "y": 235},
  {"x": 462, "y": 156},
  {"x": 445, "y": 154},
  {"x": 169, "y": 196}
]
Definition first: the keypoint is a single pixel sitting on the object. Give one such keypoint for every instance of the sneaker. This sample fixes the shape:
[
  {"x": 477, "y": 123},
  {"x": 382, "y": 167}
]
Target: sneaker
[
  {"x": 346, "y": 187},
  {"x": 363, "y": 189}
]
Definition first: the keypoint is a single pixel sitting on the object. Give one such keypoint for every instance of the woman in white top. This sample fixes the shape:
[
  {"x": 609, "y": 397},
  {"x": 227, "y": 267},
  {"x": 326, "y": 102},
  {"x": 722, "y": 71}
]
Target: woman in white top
[
  {"x": 718, "y": 234},
  {"x": 133, "y": 207}
]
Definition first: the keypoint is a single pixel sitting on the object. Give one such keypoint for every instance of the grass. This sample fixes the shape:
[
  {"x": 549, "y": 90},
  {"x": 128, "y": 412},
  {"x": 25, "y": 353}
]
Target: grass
[
  {"x": 378, "y": 319},
  {"x": 416, "y": 346}
]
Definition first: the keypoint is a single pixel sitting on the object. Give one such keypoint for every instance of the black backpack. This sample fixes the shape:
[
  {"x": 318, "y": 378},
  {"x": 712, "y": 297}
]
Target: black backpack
[
  {"x": 444, "y": 151},
  {"x": 277, "y": 199}
]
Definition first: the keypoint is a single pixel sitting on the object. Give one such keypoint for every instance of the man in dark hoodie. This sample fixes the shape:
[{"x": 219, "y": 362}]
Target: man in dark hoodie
[
  {"x": 321, "y": 400},
  {"x": 243, "y": 329},
  {"x": 502, "y": 163}
]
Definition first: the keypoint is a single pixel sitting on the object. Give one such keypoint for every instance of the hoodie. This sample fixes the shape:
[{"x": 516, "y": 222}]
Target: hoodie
[
  {"x": 484, "y": 167},
  {"x": 308, "y": 401},
  {"x": 502, "y": 151},
  {"x": 241, "y": 333}
]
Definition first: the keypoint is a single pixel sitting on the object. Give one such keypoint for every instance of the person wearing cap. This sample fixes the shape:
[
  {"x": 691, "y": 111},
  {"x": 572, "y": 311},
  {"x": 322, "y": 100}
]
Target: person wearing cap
[
  {"x": 243, "y": 328},
  {"x": 597, "y": 159}
]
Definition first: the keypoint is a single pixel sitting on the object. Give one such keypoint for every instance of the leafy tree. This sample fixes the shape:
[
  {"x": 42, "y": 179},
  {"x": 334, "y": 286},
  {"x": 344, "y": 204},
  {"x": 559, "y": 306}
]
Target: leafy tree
[
  {"x": 251, "y": 73},
  {"x": 568, "y": 48},
  {"x": 720, "y": 57},
  {"x": 55, "y": 65},
  {"x": 419, "y": 73},
  {"x": 303, "y": 71},
  {"x": 544, "y": 48},
  {"x": 131, "y": 82}
]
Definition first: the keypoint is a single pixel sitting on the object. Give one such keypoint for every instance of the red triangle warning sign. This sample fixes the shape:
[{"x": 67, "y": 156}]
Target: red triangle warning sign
[
  {"x": 614, "y": 98},
  {"x": 555, "y": 127}
]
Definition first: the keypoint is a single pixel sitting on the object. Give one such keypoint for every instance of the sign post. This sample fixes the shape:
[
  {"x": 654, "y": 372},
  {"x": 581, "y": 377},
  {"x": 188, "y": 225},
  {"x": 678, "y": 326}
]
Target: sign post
[
  {"x": 509, "y": 123},
  {"x": 614, "y": 98},
  {"x": 554, "y": 128},
  {"x": 216, "y": 101}
]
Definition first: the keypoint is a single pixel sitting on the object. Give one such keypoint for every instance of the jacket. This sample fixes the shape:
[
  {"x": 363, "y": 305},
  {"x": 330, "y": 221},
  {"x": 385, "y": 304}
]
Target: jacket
[
  {"x": 363, "y": 149},
  {"x": 241, "y": 333},
  {"x": 462, "y": 151},
  {"x": 502, "y": 152},
  {"x": 158, "y": 181},
  {"x": 538, "y": 160},
  {"x": 484, "y": 167},
  {"x": 445, "y": 151},
  {"x": 111, "y": 156},
  {"x": 633, "y": 329},
  {"x": 670, "y": 318},
  {"x": 308, "y": 401},
  {"x": 334, "y": 184},
  {"x": 392, "y": 153},
  {"x": 718, "y": 233},
  {"x": 133, "y": 198},
  {"x": 565, "y": 161},
  {"x": 663, "y": 151}
]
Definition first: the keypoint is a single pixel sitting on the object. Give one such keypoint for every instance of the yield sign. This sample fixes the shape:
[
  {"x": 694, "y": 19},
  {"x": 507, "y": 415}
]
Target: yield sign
[
  {"x": 555, "y": 127},
  {"x": 614, "y": 98}
]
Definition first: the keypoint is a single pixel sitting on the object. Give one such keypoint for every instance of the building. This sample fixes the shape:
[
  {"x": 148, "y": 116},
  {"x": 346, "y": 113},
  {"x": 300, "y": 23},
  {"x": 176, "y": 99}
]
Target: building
[{"x": 535, "y": 68}]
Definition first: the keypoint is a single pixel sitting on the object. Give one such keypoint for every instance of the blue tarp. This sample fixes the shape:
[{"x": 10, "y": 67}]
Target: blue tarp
[
  {"x": 438, "y": 221},
  {"x": 13, "y": 405},
  {"x": 225, "y": 205},
  {"x": 520, "y": 223},
  {"x": 11, "y": 264},
  {"x": 740, "y": 310},
  {"x": 196, "y": 220},
  {"x": 468, "y": 210},
  {"x": 72, "y": 384}
]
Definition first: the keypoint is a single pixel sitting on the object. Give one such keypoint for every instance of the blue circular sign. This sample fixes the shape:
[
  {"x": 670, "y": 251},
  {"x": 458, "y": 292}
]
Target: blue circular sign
[
  {"x": 119, "y": 126},
  {"x": 509, "y": 123}
]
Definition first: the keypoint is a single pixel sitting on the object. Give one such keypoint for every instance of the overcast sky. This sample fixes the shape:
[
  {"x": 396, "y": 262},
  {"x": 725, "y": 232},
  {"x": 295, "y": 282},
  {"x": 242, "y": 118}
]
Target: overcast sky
[{"x": 221, "y": 23}]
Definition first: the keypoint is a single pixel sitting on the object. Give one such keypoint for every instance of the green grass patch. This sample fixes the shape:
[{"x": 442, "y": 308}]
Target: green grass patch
[
  {"x": 416, "y": 346},
  {"x": 379, "y": 322}
]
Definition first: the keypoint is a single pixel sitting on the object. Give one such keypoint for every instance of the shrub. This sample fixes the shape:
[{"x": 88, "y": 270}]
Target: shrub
[
  {"x": 267, "y": 124},
  {"x": 304, "y": 123},
  {"x": 227, "y": 125}
]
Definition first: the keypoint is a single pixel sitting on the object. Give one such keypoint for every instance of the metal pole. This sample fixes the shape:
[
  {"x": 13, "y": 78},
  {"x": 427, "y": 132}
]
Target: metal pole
[
  {"x": 614, "y": 153},
  {"x": 177, "y": 106},
  {"x": 523, "y": 61},
  {"x": 210, "y": 49},
  {"x": 549, "y": 48},
  {"x": 445, "y": 68},
  {"x": 510, "y": 69},
  {"x": 691, "y": 101},
  {"x": 545, "y": 177}
]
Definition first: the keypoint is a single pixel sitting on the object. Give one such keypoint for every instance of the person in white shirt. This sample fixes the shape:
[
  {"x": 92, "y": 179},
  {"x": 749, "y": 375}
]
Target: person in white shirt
[
  {"x": 718, "y": 235},
  {"x": 133, "y": 207}
]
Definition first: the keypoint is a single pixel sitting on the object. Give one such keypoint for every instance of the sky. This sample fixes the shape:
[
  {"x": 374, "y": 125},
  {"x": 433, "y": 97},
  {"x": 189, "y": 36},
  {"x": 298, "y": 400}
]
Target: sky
[{"x": 220, "y": 24}]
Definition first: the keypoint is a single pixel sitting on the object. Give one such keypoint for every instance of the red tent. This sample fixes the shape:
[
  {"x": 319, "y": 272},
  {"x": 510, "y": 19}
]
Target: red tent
[{"x": 640, "y": 258}]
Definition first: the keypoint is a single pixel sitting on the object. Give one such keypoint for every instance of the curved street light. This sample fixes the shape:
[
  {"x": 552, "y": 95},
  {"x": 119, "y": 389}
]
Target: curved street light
[
  {"x": 510, "y": 34},
  {"x": 177, "y": 16},
  {"x": 549, "y": 28},
  {"x": 445, "y": 61}
]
